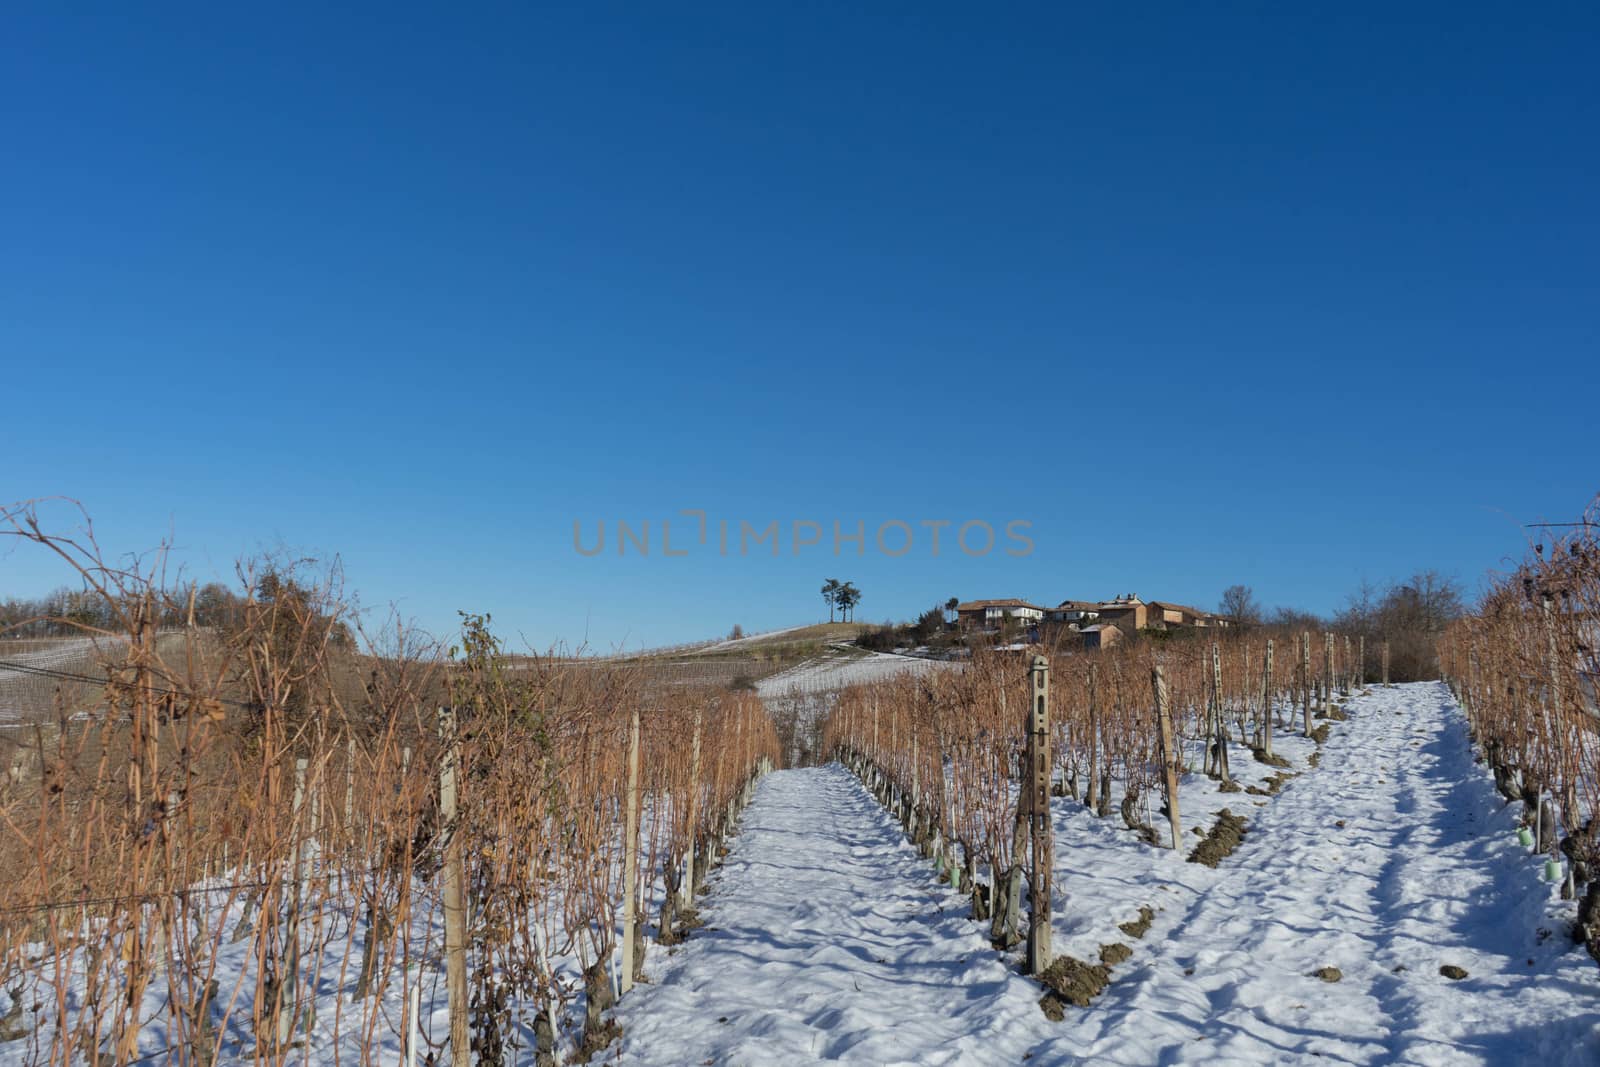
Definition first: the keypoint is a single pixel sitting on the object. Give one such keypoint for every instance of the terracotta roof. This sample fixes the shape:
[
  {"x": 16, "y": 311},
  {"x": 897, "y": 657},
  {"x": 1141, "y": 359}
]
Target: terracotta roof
[
  {"x": 1186, "y": 609},
  {"x": 1008, "y": 602},
  {"x": 1079, "y": 605}
]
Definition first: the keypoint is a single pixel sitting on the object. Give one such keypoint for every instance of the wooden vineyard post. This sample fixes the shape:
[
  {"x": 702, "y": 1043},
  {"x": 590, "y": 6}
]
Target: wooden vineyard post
[
  {"x": 1386, "y": 664},
  {"x": 1327, "y": 673},
  {"x": 455, "y": 905},
  {"x": 413, "y": 1020},
  {"x": 916, "y": 784},
  {"x": 1208, "y": 732},
  {"x": 875, "y": 760},
  {"x": 1344, "y": 677},
  {"x": 1553, "y": 657},
  {"x": 350, "y": 785},
  {"x": 1305, "y": 678},
  {"x": 284, "y": 1008},
  {"x": 1169, "y": 751},
  {"x": 694, "y": 804},
  {"x": 1094, "y": 743},
  {"x": 630, "y": 862},
  {"x": 894, "y": 729},
  {"x": 1266, "y": 702},
  {"x": 1039, "y": 813},
  {"x": 314, "y": 811},
  {"x": 1219, "y": 719},
  {"x": 1361, "y": 662}
]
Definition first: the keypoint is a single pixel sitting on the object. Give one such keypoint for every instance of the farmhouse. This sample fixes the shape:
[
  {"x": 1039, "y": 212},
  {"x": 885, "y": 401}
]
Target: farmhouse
[
  {"x": 1100, "y": 635},
  {"x": 1163, "y": 614},
  {"x": 1100, "y": 621},
  {"x": 1127, "y": 613},
  {"x": 976, "y": 614},
  {"x": 1075, "y": 612}
]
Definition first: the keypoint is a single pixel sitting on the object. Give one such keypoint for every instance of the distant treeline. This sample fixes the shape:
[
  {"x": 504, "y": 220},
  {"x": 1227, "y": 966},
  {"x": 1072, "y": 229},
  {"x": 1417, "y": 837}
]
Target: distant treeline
[{"x": 68, "y": 612}]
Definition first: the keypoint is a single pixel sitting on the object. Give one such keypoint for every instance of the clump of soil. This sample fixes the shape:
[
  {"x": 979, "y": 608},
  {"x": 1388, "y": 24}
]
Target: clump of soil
[
  {"x": 1336, "y": 713},
  {"x": 1072, "y": 981},
  {"x": 1140, "y": 926},
  {"x": 1328, "y": 974},
  {"x": 1452, "y": 972},
  {"x": 1230, "y": 786},
  {"x": 1275, "y": 782},
  {"x": 1219, "y": 844},
  {"x": 1320, "y": 734},
  {"x": 1273, "y": 760},
  {"x": 1113, "y": 954}
]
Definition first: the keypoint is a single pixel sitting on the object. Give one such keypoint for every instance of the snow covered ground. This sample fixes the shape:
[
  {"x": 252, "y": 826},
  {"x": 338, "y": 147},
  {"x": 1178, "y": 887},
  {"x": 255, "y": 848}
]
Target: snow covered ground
[
  {"x": 750, "y": 639},
  {"x": 828, "y": 938},
  {"x": 344, "y": 1029},
  {"x": 839, "y": 670}
]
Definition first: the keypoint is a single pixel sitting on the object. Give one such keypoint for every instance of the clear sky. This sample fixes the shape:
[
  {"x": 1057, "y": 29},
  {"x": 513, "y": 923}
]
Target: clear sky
[{"x": 1204, "y": 293}]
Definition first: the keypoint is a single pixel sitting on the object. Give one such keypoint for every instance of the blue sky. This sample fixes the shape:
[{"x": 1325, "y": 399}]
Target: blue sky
[{"x": 1233, "y": 294}]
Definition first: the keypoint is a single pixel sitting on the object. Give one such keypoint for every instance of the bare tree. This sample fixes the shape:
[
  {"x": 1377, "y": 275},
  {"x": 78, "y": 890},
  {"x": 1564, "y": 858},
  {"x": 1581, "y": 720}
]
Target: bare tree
[
  {"x": 1239, "y": 604},
  {"x": 1412, "y": 616}
]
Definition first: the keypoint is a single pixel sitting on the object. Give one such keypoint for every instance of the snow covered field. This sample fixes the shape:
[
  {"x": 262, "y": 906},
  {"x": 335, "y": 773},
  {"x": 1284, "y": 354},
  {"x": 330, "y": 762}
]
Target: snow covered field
[
  {"x": 837, "y": 671},
  {"x": 828, "y": 939}
]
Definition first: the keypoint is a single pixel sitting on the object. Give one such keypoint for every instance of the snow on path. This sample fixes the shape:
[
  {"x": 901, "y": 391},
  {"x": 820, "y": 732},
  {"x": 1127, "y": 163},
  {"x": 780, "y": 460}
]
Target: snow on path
[
  {"x": 1424, "y": 872},
  {"x": 827, "y": 940}
]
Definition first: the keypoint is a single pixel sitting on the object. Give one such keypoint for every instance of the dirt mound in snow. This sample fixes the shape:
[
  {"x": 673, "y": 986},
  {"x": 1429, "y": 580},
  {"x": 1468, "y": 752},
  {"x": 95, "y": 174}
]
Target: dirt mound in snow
[
  {"x": 1114, "y": 953},
  {"x": 1219, "y": 844},
  {"x": 1140, "y": 926},
  {"x": 1275, "y": 782},
  {"x": 1072, "y": 981}
]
